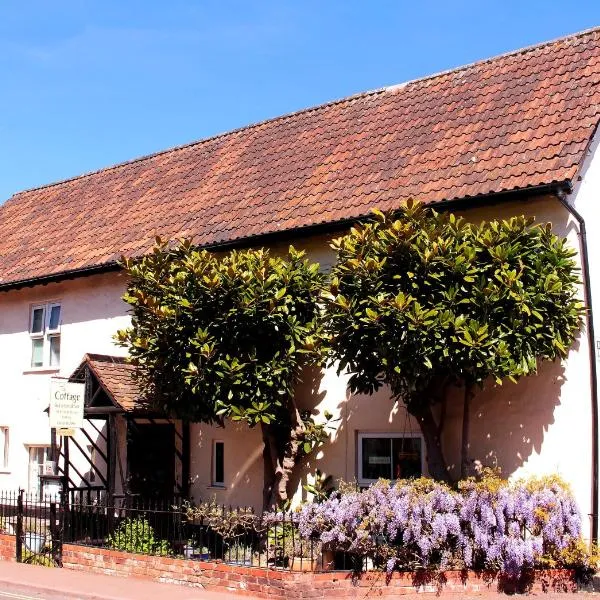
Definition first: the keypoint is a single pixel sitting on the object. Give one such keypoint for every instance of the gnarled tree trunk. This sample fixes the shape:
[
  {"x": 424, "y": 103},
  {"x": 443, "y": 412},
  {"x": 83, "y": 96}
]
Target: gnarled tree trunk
[
  {"x": 436, "y": 463},
  {"x": 280, "y": 455},
  {"x": 466, "y": 433}
]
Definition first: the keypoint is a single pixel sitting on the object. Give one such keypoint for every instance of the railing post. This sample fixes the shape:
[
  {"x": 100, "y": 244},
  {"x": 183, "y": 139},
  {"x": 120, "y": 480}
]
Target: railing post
[
  {"x": 55, "y": 535},
  {"x": 19, "y": 527}
]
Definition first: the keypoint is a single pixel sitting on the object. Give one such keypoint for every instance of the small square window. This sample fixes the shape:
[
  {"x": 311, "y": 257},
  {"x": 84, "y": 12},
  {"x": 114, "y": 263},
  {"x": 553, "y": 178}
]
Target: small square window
[{"x": 389, "y": 456}]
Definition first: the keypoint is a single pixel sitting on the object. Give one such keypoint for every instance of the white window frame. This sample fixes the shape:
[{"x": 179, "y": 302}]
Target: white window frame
[
  {"x": 386, "y": 435},
  {"x": 5, "y": 451},
  {"x": 46, "y": 334},
  {"x": 36, "y": 488},
  {"x": 213, "y": 476}
]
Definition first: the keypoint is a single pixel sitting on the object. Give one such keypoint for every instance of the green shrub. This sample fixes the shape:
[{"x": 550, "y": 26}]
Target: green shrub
[
  {"x": 42, "y": 560},
  {"x": 137, "y": 535}
]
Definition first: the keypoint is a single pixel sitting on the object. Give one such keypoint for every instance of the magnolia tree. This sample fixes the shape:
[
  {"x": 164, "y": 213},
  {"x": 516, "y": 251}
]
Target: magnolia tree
[
  {"x": 227, "y": 337},
  {"x": 420, "y": 301}
]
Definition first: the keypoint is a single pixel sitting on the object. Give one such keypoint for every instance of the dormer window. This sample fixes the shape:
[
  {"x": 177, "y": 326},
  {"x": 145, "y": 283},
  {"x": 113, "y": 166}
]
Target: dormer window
[{"x": 44, "y": 330}]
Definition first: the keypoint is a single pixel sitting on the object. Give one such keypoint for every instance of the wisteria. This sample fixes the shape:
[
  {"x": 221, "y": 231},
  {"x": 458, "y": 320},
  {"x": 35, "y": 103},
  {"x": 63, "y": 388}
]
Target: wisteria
[{"x": 496, "y": 525}]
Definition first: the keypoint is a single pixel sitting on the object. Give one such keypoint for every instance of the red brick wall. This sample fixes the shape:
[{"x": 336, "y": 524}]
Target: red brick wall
[
  {"x": 268, "y": 583},
  {"x": 7, "y": 547}
]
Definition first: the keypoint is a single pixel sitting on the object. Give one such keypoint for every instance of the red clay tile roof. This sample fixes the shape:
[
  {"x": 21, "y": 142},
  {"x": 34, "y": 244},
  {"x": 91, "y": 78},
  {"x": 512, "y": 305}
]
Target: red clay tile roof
[
  {"x": 115, "y": 375},
  {"x": 518, "y": 120}
]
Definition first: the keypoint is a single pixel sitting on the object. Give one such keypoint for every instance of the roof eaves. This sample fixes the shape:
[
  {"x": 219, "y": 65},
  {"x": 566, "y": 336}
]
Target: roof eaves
[{"x": 308, "y": 229}]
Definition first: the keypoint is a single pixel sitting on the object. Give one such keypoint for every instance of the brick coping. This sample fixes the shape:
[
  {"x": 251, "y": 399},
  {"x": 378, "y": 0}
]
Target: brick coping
[{"x": 273, "y": 583}]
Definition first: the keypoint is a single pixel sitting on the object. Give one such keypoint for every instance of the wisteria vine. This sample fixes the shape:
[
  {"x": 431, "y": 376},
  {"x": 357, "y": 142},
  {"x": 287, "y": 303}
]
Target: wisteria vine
[{"x": 496, "y": 525}]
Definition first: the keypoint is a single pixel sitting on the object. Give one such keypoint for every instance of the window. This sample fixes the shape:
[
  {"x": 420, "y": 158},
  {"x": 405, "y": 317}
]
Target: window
[
  {"x": 44, "y": 329},
  {"x": 4, "y": 448},
  {"x": 218, "y": 464},
  {"x": 389, "y": 456},
  {"x": 38, "y": 456}
]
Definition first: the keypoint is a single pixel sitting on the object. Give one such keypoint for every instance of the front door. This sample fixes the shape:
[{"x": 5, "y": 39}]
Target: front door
[{"x": 151, "y": 459}]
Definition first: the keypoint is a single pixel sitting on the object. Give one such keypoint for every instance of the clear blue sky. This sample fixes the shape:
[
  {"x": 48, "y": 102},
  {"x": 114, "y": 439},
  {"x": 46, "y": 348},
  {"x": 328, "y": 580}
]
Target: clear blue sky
[{"x": 87, "y": 84}]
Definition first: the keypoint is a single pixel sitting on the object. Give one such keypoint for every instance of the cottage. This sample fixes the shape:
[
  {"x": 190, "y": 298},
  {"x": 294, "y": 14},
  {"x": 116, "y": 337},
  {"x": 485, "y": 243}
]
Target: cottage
[{"x": 512, "y": 135}]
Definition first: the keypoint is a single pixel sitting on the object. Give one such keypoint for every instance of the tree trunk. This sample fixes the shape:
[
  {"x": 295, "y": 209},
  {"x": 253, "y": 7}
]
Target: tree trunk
[
  {"x": 436, "y": 463},
  {"x": 466, "y": 434},
  {"x": 280, "y": 455}
]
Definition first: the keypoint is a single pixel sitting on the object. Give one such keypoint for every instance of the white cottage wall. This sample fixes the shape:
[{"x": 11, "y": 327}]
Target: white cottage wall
[{"x": 91, "y": 313}]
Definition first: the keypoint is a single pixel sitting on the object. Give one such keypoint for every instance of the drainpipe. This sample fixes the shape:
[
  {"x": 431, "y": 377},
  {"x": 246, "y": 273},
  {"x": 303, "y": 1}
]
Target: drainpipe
[{"x": 561, "y": 195}]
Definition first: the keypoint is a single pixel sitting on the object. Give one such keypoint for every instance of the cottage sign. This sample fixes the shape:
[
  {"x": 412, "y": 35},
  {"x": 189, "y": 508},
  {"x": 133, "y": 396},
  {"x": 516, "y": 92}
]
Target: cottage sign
[{"x": 66, "y": 405}]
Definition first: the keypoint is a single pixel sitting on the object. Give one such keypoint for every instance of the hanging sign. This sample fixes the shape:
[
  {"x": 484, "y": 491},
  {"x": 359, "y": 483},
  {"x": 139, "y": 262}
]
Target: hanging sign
[{"x": 66, "y": 406}]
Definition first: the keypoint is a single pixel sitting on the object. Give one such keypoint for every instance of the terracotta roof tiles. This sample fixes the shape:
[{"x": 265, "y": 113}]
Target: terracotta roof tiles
[
  {"x": 115, "y": 375},
  {"x": 519, "y": 120}
]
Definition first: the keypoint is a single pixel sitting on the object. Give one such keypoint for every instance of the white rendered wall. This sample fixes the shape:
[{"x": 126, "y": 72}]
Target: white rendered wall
[
  {"x": 91, "y": 313},
  {"x": 586, "y": 200}
]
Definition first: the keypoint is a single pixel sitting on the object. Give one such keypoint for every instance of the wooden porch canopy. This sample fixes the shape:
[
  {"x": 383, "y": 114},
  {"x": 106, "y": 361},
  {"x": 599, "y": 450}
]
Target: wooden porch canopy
[{"x": 112, "y": 393}]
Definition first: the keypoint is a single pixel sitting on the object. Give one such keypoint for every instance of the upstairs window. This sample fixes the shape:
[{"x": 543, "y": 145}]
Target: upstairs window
[{"x": 44, "y": 329}]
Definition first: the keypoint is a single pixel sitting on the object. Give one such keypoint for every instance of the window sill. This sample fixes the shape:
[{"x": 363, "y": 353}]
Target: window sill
[
  {"x": 216, "y": 487},
  {"x": 41, "y": 370}
]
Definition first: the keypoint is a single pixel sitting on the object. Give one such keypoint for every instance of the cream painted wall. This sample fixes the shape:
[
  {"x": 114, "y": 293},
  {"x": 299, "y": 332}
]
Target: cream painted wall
[{"x": 92, "y": 311}]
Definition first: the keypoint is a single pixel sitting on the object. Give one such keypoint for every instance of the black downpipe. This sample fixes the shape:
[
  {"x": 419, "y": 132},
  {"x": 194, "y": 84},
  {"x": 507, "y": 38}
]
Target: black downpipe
[{"x": 592, "y": 349}]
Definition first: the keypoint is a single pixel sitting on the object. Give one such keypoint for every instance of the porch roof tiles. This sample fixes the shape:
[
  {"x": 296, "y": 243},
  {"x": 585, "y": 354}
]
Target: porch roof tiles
[{"x": 116, "y": 377}]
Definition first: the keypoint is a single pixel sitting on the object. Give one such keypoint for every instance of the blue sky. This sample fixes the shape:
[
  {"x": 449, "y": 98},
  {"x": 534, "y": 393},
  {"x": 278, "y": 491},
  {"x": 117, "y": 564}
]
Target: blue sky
[{"x": 88, "y": 84}]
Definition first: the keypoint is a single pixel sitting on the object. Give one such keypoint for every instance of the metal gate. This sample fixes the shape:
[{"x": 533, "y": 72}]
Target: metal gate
[{"x": 39, "y": 527}]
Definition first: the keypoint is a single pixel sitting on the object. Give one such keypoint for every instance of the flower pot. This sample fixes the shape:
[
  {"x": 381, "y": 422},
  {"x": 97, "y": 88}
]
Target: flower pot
[
  {"x": 326, "y": 561},
  {"x": 34, "y": 542},
  {"x": 304, "y": 564}
]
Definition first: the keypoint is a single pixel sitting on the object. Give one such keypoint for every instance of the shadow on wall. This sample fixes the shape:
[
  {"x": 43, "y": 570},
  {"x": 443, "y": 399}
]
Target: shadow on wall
[
  {"x": 309, "y": 396},
  {"x": 508, "y": 422},
  {"x": 353, "y": 413}
]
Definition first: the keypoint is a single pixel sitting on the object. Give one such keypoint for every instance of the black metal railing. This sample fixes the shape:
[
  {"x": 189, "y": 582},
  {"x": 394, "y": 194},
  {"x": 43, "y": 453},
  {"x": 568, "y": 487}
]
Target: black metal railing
[
  {"x": 37, "y": 524},
  {"x": 172, "y": 527}
]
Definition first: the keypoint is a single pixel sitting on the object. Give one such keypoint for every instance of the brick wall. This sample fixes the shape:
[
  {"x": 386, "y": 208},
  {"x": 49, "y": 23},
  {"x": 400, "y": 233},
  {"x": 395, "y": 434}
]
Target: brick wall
[
  {"x": 268, "y": 583},
  {"x": 7, "y": 547}
]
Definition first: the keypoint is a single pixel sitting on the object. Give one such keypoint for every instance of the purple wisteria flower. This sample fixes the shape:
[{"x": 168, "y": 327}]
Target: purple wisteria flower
[{"x": 423, "y": 523}]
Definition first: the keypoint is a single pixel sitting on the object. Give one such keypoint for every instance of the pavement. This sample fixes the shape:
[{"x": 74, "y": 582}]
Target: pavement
[{"x": 32, "y": 582}]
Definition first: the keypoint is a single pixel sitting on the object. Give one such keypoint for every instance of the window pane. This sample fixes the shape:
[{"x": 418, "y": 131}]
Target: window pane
[
  {"x": 406, "y": 457},
  {"x": 219, "y": 463},
  {"x": 376, "y": 458},
  {"x": 54, "y": 318},
  {"x": 55, "y": 351},
  {"x": 37, "y": 352},
  {"x": 37, "y": 320}
]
